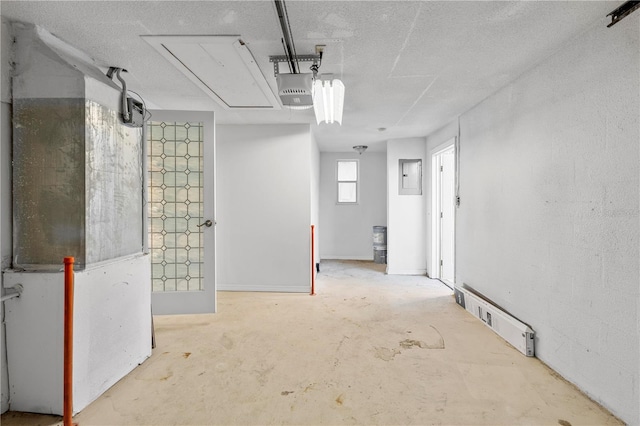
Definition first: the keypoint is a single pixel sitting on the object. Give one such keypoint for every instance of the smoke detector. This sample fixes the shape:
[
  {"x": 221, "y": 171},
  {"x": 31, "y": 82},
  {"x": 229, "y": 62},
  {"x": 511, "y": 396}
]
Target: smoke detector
[{"x": 295, "y": 90}]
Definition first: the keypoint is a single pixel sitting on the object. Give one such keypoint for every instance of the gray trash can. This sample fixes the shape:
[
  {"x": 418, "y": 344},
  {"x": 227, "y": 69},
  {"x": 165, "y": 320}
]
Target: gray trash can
[
  {"x": 380, "y": 244},
  {"x": 380, "y": 254}
]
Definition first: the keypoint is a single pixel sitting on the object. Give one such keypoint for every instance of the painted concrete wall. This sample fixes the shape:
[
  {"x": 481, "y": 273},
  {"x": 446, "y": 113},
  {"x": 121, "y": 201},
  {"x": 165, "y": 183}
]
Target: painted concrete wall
[
  {"x": 407, "y": 218},
  {"x": 113, "y": 310},
  {"x": 112, "y": 335},
  {"x": 434, "y": 140},
  {"x": 347, "y": 230},
  {"x": 548, "y": 221},
  {"x": 5, "y": 192},
  {"x": 263, "y": 207},
  {"x": 5, "y": 231}
]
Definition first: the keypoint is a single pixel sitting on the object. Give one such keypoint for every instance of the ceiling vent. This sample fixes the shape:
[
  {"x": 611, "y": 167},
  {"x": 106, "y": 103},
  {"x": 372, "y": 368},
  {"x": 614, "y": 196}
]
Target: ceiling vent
[
  {"x": 295, "y": 90},
  {"x": 222, "y": 66}
]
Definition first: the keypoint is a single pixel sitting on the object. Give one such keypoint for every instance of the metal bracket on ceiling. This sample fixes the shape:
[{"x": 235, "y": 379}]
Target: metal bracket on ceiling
[
  {"x": 618, "y": 14},
  {"x": 299, "y": 58}
]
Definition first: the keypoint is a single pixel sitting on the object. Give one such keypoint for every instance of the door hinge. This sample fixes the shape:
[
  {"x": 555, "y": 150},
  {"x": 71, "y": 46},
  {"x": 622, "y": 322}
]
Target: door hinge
[
  {"x": 441, "y": 168},
  {"x": 440, "y": 262},
  {"x": 441, "y": 215}
]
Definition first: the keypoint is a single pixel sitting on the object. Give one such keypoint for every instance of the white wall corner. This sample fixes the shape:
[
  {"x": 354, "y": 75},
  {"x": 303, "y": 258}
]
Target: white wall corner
[{"x": 407, "y": 218}]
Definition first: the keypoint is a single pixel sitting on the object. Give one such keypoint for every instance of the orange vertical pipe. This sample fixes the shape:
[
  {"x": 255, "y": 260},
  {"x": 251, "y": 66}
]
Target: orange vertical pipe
[
  {"x": 68, "y": 342},
  {"x": 313, "y": 261}
]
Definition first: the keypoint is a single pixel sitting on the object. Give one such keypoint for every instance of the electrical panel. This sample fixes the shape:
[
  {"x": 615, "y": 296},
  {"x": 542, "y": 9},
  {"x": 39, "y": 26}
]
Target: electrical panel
[{"x": 410, "y": 179}]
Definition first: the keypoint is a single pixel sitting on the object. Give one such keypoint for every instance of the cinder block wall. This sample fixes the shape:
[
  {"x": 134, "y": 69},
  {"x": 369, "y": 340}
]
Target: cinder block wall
[{"x": 548, "y": 221}]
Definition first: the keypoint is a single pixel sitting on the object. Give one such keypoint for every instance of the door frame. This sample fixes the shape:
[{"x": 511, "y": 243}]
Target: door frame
[
  {"x": 436, "y": 188},
  {"x": 192, "y": 302}
]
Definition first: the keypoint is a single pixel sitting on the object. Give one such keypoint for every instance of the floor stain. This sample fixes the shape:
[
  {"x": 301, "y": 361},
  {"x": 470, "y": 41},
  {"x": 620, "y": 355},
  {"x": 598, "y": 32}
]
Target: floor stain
[
  {"x": 285, "y": 393},
  {"x": 386, "y": 354},
  {"x": 563, "y": 422},
  {"x": 440, "y": 344},
  {"x": 186, "y": 354},
  {"x": 165, "y": 378},
  {"x": 262, "y": 375},
  {"x": 411, "y": 343},
  {"x": 308, "y": 388},
  {"x": 226, "y": 341},
  {"x": 340, "y": 399}
]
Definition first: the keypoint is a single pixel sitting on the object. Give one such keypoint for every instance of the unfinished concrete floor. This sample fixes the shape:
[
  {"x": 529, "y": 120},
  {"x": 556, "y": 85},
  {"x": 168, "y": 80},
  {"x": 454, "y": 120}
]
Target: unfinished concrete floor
[{"x": 368, "y": 349}]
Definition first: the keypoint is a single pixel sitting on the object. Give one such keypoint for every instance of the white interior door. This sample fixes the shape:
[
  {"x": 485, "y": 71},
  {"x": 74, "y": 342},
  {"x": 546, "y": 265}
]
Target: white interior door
[
  {"x": 447, "y": 217},
  {"x": 443, "y": 212},
  {"x": 181, "y": 211}
]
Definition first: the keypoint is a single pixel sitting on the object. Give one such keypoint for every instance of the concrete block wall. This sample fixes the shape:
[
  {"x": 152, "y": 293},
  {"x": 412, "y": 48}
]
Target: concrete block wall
[
  {"x": 6, "y": 40},
  {"x": 548, "y": 225},
  {"x": 113, "y": 309},
  {"x": 111, "y": 336}
]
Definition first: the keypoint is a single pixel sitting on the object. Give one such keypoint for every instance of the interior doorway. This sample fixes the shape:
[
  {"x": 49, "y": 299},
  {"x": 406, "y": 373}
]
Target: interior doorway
[
  {"x": 443, "y": 173},
  {"x": 181, "y": 217}
]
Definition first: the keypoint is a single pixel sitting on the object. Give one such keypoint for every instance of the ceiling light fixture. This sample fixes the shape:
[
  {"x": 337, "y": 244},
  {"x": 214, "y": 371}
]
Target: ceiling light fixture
[
  {"x": 328, "y": 100},
  {"x": 295, "y": 90},
  {"x": 299, "y": 90},
  {"x": 360, "y": 148}
]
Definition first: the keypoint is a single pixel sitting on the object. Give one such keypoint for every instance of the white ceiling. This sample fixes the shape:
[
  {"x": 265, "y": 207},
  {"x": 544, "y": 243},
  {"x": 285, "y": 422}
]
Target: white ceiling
[{"x": 408, "y": 66}]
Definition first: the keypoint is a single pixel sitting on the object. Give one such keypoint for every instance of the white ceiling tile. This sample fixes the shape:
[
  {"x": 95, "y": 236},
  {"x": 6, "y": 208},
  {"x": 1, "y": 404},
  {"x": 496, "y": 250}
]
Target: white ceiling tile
[{"x": 385, "y": 52}]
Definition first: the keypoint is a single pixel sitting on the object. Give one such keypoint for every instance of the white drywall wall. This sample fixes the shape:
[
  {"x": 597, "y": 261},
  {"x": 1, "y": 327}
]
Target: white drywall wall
[
  {"x": 548, "y": 222},
  {"x": 112, "y": 335},
  {"x": 263, "y": 207},
  {"x": 315, "y": 196},
  {"x": 347, "y": 229},
  {"x": 407, "y": 218}
]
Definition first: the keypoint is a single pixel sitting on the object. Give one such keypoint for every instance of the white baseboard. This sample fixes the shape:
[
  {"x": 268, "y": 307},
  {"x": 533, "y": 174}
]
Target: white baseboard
[
  {"x": 336, "y": 257},
  {"x": 392, "y": 271},
  {"x": 262, "y": 288}
]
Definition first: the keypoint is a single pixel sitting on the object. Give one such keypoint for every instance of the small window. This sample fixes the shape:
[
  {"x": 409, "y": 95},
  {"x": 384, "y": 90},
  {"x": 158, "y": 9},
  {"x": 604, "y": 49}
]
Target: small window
[{"x": 347, "y": 181}]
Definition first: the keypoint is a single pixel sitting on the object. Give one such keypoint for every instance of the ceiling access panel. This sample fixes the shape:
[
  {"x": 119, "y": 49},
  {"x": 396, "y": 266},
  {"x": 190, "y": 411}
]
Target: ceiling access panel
[{"x": 222, "y": 66}]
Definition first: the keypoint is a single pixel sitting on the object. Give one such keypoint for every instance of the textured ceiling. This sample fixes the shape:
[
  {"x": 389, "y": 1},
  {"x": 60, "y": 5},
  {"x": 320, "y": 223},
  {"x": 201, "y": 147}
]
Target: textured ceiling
[{"x": 408, "y": 66}]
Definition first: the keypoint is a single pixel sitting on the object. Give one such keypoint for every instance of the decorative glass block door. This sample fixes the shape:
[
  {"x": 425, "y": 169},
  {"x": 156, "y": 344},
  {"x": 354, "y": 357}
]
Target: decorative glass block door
[{"x": 180, "y": 149}]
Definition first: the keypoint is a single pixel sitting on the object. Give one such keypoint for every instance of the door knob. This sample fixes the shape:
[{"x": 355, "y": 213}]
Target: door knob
[{"x": 206, "y": 223}]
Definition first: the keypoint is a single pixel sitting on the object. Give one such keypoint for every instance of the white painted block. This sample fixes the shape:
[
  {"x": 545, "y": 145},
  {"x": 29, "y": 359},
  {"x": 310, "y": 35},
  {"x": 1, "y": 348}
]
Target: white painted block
[{"x": 112, "y": 332}]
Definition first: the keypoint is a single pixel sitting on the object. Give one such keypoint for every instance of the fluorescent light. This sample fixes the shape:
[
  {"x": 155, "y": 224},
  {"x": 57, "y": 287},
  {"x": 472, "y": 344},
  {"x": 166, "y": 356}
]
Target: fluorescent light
[{"x": 328, "y": 99}]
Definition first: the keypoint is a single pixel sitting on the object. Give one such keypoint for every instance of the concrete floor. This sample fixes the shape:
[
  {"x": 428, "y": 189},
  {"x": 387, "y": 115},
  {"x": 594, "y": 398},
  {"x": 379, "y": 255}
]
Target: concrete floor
[{"x": 368, "y": 349}]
